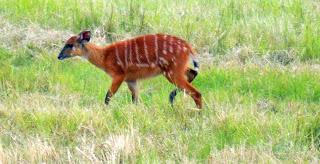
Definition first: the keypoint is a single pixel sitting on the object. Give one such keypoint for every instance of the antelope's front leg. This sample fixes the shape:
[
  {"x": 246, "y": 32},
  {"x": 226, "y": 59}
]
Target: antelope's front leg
[
  {"x": 133, "y": 87},
  {"x": 116, "y": 82}
]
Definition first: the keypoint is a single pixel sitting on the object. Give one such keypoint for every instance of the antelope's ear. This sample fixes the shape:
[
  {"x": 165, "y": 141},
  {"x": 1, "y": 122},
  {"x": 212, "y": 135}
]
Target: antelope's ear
[{"x": 84, "y": 36}]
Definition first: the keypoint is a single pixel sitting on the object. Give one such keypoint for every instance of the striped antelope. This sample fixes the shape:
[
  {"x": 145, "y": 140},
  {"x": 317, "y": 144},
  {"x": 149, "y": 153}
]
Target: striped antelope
[{"x": 137, "y": 58}]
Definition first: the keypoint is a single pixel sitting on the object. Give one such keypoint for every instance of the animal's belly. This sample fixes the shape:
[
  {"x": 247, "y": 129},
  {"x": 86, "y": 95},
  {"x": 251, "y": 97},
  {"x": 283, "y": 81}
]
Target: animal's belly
[{"x": 135, "y": 73}]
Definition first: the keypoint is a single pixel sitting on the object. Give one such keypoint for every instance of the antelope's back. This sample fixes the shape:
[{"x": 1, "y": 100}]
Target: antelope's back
[{"x": 151, "y": 50}]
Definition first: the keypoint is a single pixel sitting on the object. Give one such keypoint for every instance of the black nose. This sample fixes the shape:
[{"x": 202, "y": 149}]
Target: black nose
[{"x": 60, "y": 57}]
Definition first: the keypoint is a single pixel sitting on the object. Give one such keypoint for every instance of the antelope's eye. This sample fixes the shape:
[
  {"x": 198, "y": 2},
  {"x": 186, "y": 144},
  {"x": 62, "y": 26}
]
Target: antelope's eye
[{"x": 69, "y": 45}]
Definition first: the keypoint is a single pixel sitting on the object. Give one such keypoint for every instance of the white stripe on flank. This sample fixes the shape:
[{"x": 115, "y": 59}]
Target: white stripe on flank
[
  {"x": 142, "y": 65},
  {"x": 156, "y": 46},
  {"x": 164, "y": 46},
  {"x": 130, "y": 53},
  {"x": 179, "y": 49},
  {"x": 145, "y": 49},
  {"x": 137, "y": 51},
  {"x": 171, "y": 44},
  {"x": 125, "y": 53},
  {"x": 118, "y": 58}
]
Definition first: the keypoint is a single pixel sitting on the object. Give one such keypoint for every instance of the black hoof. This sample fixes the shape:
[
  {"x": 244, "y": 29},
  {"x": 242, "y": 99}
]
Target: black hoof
[{"x": 172, "y": 96}]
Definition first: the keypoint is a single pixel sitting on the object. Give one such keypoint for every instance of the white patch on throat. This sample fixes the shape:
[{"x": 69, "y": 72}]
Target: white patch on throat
[{"x": 85, "y": 56}]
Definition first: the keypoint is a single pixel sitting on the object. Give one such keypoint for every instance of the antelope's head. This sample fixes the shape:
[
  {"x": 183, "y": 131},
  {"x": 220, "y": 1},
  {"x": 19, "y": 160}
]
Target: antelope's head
[{"x": 74, "y": 46}]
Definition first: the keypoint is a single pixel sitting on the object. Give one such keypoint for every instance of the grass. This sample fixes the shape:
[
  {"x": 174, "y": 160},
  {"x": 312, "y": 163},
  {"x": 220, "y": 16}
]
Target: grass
[
  {"x": 259, "y": 80},
  {"x": 217, "y": 26}
]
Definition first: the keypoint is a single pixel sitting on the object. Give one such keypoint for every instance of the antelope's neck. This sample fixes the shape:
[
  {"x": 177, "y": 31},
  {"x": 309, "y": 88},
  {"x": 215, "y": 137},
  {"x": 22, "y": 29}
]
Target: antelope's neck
[{"x": 95, "y": 54}]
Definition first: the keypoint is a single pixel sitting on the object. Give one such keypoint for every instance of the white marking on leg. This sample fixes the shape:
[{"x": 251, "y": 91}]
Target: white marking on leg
[{"x": 133, "y": 85}]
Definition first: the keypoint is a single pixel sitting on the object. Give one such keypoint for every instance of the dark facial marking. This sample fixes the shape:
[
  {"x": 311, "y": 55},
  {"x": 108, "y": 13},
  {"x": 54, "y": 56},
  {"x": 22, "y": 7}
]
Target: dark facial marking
[{"x": 63, "y": 53}]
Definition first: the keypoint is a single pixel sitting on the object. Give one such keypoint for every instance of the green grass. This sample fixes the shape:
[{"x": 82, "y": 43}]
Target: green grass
[
  {"x": 62, "y": 101},
  {"x": 218, "y": 26},
  {"x": 261, "y": 102}
]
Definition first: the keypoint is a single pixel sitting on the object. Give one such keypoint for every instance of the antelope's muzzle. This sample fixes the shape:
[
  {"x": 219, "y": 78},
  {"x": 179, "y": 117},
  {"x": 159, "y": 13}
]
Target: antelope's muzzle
[
  {"x": 64, "y": 52},
  {"x": 63, "y": 56}
]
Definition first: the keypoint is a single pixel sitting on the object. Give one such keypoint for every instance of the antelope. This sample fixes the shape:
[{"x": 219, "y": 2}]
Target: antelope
[{"x": 139, "y": 58}]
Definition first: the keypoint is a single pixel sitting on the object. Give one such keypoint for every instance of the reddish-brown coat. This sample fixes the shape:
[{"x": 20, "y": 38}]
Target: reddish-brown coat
[{"x": 142, "y": 57}]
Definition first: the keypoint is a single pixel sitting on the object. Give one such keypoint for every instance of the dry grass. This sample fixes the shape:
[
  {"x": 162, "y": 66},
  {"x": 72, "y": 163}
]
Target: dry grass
[{"x": 260, "y": 106}]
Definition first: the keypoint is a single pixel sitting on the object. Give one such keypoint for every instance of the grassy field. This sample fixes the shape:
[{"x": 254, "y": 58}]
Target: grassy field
[{"x": 260, "y": 81}]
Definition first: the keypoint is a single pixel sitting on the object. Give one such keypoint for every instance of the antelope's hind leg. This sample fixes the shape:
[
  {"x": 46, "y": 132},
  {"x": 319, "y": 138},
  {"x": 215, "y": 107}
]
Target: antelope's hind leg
[
  {"x": 191, "y": 75},
  {"x": 181, "y": 82}
]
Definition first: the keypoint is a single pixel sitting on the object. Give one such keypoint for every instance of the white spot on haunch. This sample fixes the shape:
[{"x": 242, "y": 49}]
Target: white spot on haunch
[
  {"x": 164, "y": 52},
  {"x": 185, "y": 49},
  {"x": 163, "y": 61},
  {"x": 179, "y": 42}
]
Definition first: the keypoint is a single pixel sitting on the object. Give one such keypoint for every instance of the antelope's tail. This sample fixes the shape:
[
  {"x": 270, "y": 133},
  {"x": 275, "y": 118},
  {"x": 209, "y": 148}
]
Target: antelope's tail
[{"x": 194, "y": 59}]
